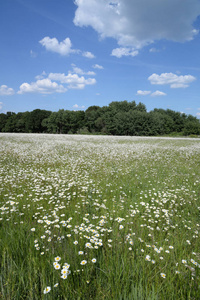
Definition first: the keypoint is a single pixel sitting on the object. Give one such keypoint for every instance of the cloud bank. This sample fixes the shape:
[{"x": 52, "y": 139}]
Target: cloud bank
[
  {"x": 58, "y": 82},
  {"x": 135, "y": 24}
]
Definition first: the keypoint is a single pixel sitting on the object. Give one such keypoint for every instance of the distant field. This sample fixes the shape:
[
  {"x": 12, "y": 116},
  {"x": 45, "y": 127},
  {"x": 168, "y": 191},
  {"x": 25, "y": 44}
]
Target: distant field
[{"x": 99, "y": 217}]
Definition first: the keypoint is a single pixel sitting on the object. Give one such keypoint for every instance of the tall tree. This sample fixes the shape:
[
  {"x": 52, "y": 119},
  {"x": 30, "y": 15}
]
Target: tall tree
[{"x": 35, "y": 120}]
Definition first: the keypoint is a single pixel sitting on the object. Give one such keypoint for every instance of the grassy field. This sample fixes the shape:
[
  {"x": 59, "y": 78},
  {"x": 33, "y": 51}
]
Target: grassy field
[{"x": 99, "y": 217}]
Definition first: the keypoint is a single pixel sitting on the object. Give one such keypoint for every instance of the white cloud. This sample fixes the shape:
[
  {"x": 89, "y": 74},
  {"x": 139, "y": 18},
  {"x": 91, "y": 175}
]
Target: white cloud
[
  {"x": 119, "y": 52},
  {"x": 6, "y": 91},
  {"x": 158, "y": 93},
  {"x": 1, "y": 105},
  {"x": 81, "y": 72},
  {"x": 72, "y": 80},
  {"x": 76, "y": 106},
  {"x": 53, "y": 45},
  {"x": 88, "y": 54},
  {"x": 96, "y": 66},
  {"x": 63, "y": 48},
  {"x": 173, "y": 80},
  {"x": 154, "y": 50},
  {"x": 33, "y": 54},
  {"x": 41, "y": 76},
  {"x": 143, "y": 93},
  {"x": 47, "y": 83},
  {"x": 43, "y": 86},
  {"x": 134, "y": 23},
  {"x": 198, "y": 114}
]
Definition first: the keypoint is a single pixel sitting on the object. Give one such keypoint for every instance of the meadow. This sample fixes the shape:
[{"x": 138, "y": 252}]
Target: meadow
[{"x": 99, "y": 217}]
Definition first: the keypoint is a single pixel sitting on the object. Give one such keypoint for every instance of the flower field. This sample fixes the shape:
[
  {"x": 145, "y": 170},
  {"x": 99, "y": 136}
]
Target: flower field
[{"x": 99, "y": 217}]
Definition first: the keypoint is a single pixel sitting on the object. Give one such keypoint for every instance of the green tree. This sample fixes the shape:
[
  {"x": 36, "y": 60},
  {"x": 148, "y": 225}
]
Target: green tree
[
  {"x": 91, "y": 115},
  {"x": 141, "y": 107},
  {"x": 51, "y": 123},
  {"x": 34, "y": 123},
  {"x": 161, "y": 123},
  {"x": 11, "y": 121},
  {"x": 77, "y": 120},
  {"x": 3, "y": 120},
  {"x": 192, "y": 126}
]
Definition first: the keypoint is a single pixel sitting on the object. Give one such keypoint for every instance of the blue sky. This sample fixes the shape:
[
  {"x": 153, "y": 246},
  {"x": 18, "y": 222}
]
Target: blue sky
[{"x": 65, "y": 54}]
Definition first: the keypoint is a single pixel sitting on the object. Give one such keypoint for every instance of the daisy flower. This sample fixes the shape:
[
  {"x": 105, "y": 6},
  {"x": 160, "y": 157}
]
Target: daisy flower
[
  {"x": 47, "y": 290},
  {"x": 57, "y": 266},
  {"x": 163, "y": 275},
  {"x": 57, "y": 258},
  {"x": 66, "y": 266},
  {"x": 184, "y": 261},
  {"x": 64, "y": 272}
]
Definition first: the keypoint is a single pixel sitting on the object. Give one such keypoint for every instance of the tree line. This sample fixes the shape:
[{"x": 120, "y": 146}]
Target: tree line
[{"x": 118, "y": 118}]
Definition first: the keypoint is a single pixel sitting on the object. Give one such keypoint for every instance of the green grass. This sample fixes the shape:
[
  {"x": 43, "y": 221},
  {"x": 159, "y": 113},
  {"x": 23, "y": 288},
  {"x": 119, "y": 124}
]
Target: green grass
[{"x": 136, "y": 201}]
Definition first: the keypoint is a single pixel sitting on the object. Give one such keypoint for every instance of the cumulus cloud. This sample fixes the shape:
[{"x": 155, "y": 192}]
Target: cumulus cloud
[
  {"x": 43, "y": 86},
  {"x": 171, "y": 79},
  {"x": 198, "y": 114},
  {"x": 143, "y": 93},
  {"x": 158, "y": 93},
  {"x": 81, "y": 72},
  {"x": 58, "y": 82},
  {"x": 6, "y": 91},
  {"x": 135, "y": 24},
  {"x": 1, "y": 105},
  {"x": 119, "y": 52},
  {"x": 73, "y": 81},
  {"x": 53, "y": 45},
  {"x": 63, "y": 48},
  {"x": 96, "y": 66},
  {"x": 76, "y": 106},
  {"x": 88, "y": 54},
  {"x": 41, "y": 76}
]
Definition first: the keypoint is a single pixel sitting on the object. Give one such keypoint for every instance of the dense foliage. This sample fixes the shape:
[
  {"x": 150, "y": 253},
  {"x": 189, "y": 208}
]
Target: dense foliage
[{"x": 118, "y": 118}]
